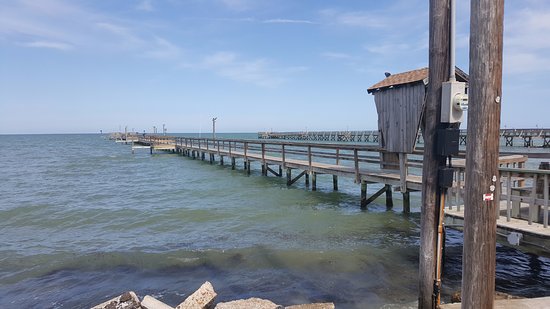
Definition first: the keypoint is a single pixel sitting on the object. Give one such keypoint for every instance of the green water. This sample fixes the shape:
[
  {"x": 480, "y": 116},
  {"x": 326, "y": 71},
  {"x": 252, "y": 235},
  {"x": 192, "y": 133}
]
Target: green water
[{"x": 83, "y": 219}]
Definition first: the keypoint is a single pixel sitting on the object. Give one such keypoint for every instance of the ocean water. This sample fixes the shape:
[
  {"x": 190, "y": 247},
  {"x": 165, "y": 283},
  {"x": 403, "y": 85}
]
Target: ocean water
[{"x": 82, "y": 219}]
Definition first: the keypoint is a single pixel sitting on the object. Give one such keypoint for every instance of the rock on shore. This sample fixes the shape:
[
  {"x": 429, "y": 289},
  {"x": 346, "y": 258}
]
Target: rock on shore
[{"x": 203, "y": 298}]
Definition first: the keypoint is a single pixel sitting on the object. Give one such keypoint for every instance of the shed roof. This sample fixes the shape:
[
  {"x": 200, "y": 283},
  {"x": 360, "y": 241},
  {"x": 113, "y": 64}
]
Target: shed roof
[{"x": 410, "y": 77}]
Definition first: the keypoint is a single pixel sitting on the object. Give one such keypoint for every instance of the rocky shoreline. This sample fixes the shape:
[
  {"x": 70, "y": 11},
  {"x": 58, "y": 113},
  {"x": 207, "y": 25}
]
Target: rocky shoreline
[{"x": 203, "y": 298}]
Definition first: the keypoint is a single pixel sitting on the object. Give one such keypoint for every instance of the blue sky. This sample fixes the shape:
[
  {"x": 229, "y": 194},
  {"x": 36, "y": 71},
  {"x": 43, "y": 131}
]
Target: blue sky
[{"x": 90, "y": 65}]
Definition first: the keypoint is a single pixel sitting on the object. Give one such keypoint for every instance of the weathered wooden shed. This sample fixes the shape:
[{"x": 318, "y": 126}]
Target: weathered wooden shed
[{"x": 400, "y": 100}]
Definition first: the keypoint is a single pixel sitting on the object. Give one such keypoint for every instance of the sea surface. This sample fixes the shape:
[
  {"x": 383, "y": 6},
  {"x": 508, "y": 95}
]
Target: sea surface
[{"x": 82, "y": 219}]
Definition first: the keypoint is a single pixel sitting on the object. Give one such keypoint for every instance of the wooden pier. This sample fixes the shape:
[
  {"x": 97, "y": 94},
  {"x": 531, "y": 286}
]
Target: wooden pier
[
  {"x": 526, "y": 136},
  {"x": 300, "y": 160},
  {"x": 524, "y": 202}
]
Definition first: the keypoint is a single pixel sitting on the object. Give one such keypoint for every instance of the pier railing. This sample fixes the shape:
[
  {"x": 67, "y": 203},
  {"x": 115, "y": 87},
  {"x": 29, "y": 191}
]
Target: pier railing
[
  {"x": 524, "y": 193},
  {"x": 527, "y": 135},
  {"x": 338, "y": 159},
  {"x": 520, "y": 188}
]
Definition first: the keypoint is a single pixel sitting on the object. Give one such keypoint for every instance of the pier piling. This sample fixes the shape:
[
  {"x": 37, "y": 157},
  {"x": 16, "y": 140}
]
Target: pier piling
[{"x": 389, "y": 197}]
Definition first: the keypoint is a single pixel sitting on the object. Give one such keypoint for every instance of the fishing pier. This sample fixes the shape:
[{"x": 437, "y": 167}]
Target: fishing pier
[{"x": 524, "y": 204}]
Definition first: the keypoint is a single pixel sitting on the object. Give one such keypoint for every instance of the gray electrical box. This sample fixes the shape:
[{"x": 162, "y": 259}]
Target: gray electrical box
[{"x": 454, "y": 101}]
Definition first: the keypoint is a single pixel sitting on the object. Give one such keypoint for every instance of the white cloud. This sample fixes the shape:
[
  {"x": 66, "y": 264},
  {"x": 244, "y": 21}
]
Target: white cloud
[
  {"x": 260, "y": 72},
  {"x": 237, "y": 5},
  {"x": 518, "y": 62},
  {"x": 41, "y": 20},
  {"x": 526, "y": 48},
  {"x": 63, "y": 25},
  {"x": 114, "y": 29},
  {"x": 50, "y": 45},
  {"x": 163, "y": 49},
  {"x": 387, "y": 48},
  {"x": 336, "y": 55},
  {"x": 145, "y": 5},
  {"x": 355, "y": 19},
  {"x": 287, "y": 21}
]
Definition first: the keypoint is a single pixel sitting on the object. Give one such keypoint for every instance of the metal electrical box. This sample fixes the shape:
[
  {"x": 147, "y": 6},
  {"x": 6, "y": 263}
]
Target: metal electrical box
[
  {"x": 454, "y": 101},
  {"x": 447, "y": 142},
  {"x": 445, "y": 177}
]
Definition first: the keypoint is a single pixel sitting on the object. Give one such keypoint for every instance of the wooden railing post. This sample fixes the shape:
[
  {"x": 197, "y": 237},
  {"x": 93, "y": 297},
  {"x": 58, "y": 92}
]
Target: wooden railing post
[
  {"x": 532, "y": 204},
  {"x": 508, "y": 196},
  {"x": 403, "y": 171},
  {"x": 546, "y": 188},
  {"x": 283, "y": 156},
  {"x": 309, "y": 156},
  {"x": 356, "y": 161}
]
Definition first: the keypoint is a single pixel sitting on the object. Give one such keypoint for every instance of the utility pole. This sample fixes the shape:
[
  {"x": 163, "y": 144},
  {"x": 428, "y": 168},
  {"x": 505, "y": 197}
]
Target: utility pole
[
  {"x": 214, "y": 127},
  {"x": 438, "y": 73},
  {"x": 482, "y": 182},
  {"x": 163, "y": 129}
]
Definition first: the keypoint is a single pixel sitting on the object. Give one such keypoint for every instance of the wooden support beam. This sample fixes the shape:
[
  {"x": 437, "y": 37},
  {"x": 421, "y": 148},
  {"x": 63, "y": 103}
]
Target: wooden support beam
[
  {"x": 335, "y": 182},
  {"x": 280, "y": 171},
  {"x": 288, "y": 176},
  {"x": 232, "y": 163},
  {"x": 374, "y": 196},
  {"x": 363, "y": 194},
  {"x": 482, "y": 152},
  {"x": 406, "y": 202},
  {"x": 248, "y": 167},
  {"x": 389, "y": 198},
  {"x": 292, "y": 181},
  {"x": 307, "y": 179},
  {"x": 313, "y": 181},
  {"x": 268, "y": 169},
  {"x": 264, "y": 169}
]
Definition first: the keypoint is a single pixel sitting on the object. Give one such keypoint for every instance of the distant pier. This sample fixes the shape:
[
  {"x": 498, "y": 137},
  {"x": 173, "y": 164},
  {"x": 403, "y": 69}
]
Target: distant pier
[{"x": 527, "y": 137}]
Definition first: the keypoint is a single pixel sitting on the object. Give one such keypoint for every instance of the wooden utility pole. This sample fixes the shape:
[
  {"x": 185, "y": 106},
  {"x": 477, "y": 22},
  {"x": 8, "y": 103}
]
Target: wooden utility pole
[
  {"x": 482, "y": 196},
  {"x": 438, "y": 73}
]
